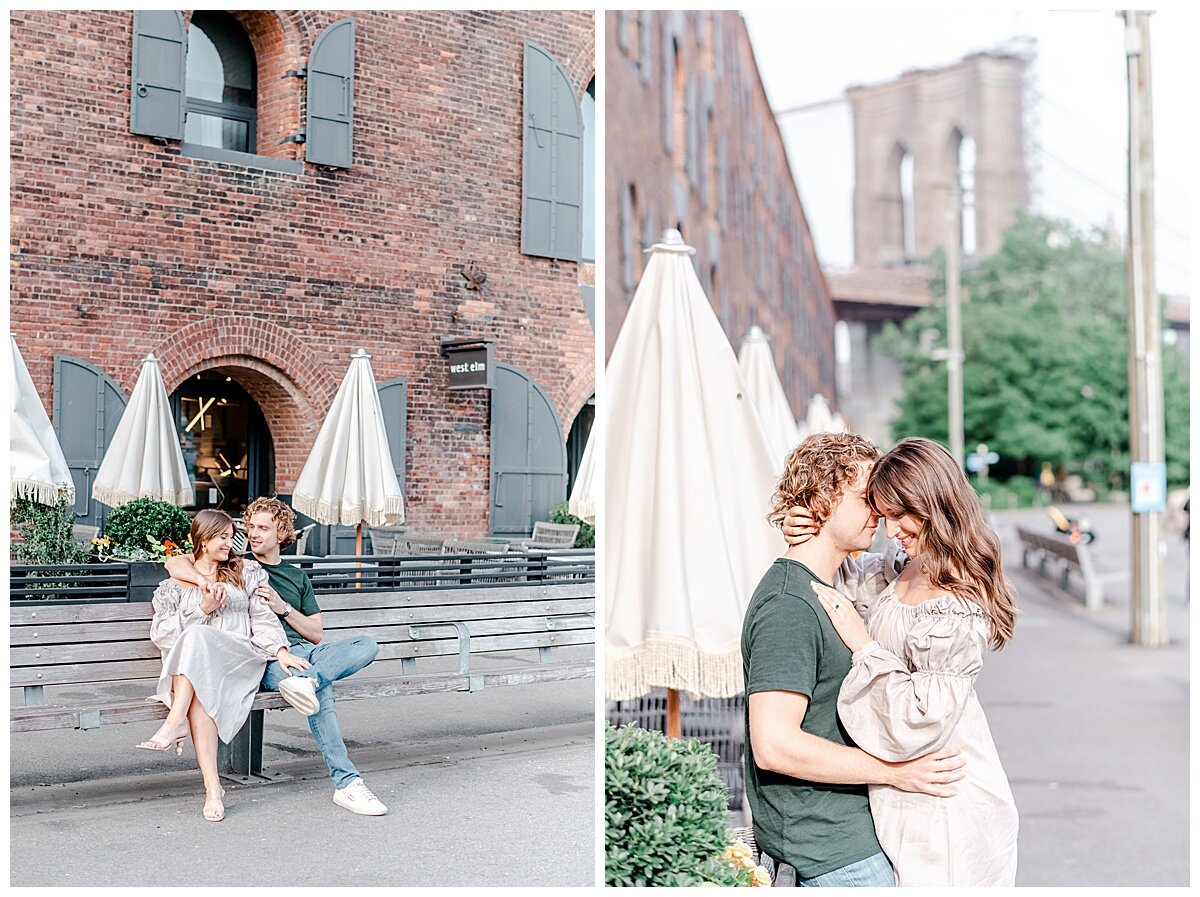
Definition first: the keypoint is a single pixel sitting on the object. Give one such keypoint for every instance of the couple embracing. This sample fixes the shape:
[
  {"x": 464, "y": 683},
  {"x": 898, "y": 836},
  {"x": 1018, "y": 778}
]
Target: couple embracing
[{"x": 869, "y": 761}]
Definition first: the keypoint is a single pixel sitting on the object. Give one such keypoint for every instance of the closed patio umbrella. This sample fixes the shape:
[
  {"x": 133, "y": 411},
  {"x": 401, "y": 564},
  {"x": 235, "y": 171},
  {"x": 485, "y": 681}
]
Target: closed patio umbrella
[
  {"x": 688, "y": 483},
  {"x": 37, "y": 467},
  {"x": 144, "y": 459},
  {"x": 348, "y": 477},
  {"x": 582, "y": 501},
  {"x": 766, "y": 394},
  {"x": 820, "y": 419}
]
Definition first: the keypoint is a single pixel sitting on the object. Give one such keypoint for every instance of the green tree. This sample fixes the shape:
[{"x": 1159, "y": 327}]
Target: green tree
[{"x": 1045, "y": 374}]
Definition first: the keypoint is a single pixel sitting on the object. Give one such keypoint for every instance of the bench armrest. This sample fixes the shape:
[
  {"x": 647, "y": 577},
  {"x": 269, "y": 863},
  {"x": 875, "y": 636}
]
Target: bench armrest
[{"x": 464, "y": 641}]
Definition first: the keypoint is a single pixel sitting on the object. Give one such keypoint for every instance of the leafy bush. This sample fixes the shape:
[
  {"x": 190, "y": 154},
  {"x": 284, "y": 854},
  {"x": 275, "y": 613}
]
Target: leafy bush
[
  {"x": 1015, "y": 492},
  {"x": 47, "y": 531},
  {"x": 587, "y": 532},
  {"x": 130, "y": 525},
  {"x": 664, "y": 812}
]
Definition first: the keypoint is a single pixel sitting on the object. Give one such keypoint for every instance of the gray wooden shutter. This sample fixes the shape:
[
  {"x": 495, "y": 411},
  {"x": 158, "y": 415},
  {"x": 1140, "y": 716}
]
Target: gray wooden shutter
[
  {"x": 88, "y": 405},
  {"x": 644, "y": 35},
  {"x": 159, "y": 69},
  {"x": 668, "y": 89},
  {"x": 552, "y": 161},
  {"x": 588, "y": 291},
  {"x": 330, "y": 138},
  {"x": 529, "y": 455},
  {"x": 393, "y": 398},
  {"x": 628, "y": 241}
]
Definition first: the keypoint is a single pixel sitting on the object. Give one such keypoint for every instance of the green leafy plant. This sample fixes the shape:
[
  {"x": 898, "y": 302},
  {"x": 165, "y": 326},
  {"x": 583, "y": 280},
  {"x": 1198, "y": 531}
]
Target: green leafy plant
[
  {"x": 587, "y": 532},
  {"x": 47, "y": 533},
  {"x": 140, "y": 529},
  {"x": 664, "y": 812}
]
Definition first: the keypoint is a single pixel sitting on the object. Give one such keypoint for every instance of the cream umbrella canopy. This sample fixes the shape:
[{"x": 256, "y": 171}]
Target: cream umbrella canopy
[
  {"x": 144, "y": 459},
  {"x": 766, "y": 395},
  {"x": 582, "y": 501},
  {"x": 688, "y": 482},
  {"x": 37, "y": 467},
  {"x": 349, "y": 477},
  {"x": 819, "y": 418}
]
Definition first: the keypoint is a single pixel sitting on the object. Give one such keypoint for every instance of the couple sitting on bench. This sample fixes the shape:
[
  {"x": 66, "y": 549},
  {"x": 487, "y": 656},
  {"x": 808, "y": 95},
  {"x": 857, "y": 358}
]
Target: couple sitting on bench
[{"x": 225, "y": 625}]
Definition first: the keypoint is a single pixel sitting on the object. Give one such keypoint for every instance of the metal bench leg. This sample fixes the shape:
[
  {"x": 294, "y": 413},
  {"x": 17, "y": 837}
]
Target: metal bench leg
[{"x": 241, "y": 760}]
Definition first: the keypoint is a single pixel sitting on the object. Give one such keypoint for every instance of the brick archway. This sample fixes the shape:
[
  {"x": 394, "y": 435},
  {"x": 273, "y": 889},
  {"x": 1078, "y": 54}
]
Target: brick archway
[{"x": 279, "y": 372}]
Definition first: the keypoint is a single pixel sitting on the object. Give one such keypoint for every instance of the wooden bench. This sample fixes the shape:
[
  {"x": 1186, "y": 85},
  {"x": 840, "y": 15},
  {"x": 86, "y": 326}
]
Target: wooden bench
[
  {"x": 62, "y": 644},
  {"x": 1067, "y": 557}
]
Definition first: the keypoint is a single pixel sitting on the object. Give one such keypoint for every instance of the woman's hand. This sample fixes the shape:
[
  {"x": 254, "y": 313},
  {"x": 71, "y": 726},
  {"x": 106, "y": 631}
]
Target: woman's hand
[
  {"x": 287, "y": 660},
  {"x": 845, "y": 618},
  {"x": 799, "y": 526},
  {"x": 213, "y": 597}
]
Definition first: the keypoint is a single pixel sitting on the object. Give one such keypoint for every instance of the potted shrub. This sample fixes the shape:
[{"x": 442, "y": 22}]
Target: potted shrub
[
  {"x": 665, "y": 814},
  {"x": 144, "y": 533},
  {"x": 587, "y": 532},
  {"x": 47, "y": 533}
]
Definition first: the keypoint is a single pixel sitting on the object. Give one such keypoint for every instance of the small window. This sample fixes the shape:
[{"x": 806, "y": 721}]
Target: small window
[
  {"x": 908, "y": 224},
  {"x": 222, "y": 75},
  {"x": 587, "y": 106}
]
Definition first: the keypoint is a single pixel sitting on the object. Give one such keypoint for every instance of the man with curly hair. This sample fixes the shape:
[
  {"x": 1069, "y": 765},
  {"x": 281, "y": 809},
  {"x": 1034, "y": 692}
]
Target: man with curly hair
[
  {"x": 270, "y": 526},
  {"x": 805, "y": 779}
]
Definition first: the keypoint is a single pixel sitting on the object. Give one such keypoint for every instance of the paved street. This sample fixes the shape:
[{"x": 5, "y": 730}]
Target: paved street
[
  {"x": 1093, "y": 731},
  {"x": 495, "y": 788}
]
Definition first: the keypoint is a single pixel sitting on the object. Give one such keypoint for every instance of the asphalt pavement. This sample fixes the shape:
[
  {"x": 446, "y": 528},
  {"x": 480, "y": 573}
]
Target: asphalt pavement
[
  {"x": 1092, "y": 730},
  {"x": 492, "y": 788}
]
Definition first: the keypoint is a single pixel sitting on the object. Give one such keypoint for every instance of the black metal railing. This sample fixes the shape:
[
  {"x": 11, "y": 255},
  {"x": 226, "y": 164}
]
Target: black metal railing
[
  {"x": 103, "y": 583},
  {"x": 95, "y": 583}
]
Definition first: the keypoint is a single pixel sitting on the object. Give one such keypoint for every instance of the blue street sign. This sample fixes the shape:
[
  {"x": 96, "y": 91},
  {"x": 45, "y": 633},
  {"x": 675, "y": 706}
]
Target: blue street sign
[{"x": 1148, "y": 487}]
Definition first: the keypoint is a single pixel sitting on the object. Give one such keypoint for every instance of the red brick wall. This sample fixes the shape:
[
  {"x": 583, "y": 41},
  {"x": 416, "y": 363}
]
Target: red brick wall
[
  {"x": 758, "y": 238},
  {"x": 122, "y": 246}
]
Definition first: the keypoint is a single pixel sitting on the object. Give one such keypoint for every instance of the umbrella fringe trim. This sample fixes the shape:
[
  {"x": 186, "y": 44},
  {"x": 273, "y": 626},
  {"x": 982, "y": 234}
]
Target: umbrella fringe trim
[
  {"x": 671, "y": 665},
  {"x": 42, "y": 493},
  {"x": 329, "y": 512},
  {"x": 584, "y": 510},
  {"x": 114, "y": 498}
]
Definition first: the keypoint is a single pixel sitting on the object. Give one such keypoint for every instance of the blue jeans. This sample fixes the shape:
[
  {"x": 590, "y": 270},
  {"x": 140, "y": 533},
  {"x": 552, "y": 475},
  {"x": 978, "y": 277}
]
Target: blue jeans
[
  {"x": 329, "y": 661},
  {"x": 873, "y": 872}
]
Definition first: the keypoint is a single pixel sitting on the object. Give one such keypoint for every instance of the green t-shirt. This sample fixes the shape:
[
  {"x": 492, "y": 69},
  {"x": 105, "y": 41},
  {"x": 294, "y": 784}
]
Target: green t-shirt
[
  {"x": 788, "y": 644},
  {"x": 293, "y": 587}
]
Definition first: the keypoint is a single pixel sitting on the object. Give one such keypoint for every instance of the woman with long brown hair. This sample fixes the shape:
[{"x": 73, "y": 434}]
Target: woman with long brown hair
[
  {"x": 215, "y": 645},
  {"x": 910, "y": 691}
]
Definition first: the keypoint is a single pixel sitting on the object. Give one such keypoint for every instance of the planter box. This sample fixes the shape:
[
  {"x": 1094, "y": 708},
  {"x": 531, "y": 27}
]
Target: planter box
[{"x": 144, "y": 577}]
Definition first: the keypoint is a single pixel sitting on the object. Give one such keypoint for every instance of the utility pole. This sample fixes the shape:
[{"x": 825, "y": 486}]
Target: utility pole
[
  {"x": 954, "y": 356},
  {"x": 1146, "y": 426}
]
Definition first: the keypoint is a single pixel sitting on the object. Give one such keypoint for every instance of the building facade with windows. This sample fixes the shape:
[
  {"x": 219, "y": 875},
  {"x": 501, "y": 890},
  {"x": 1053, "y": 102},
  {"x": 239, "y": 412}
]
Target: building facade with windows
[
  {"x": 251, "y": 196},
  {"x": 693, "y": 144}
]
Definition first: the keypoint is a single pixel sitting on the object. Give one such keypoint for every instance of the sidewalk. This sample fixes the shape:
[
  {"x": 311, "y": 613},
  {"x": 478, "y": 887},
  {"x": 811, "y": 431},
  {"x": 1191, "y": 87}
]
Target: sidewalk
[
  {"x": 494, "y": 788},
  {"x": 1092, "y": 730}
]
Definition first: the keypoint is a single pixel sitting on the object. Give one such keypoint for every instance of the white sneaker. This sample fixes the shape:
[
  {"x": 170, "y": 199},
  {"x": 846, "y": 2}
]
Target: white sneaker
[
  {"x": 357, "y": 798},
  {"x": 301, "y": 693}
]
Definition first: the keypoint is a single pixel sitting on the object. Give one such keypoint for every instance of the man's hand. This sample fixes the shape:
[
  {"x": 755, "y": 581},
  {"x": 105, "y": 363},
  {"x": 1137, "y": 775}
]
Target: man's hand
[
  {"x": 799, "y": 526},
  {"x": 931, "y": 774},
  {"x": 271, "y": 598},
  {"x": 288, "y": 660},
  {"x": 212, "y": 597}
]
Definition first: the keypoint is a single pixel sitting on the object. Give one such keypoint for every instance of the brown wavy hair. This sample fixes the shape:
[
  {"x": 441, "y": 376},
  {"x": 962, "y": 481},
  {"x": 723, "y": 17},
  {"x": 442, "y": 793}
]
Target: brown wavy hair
[
  {"x": 205, "y": 525},
  {"x": 960, "y": 552},
  {"x": 284, "y": 517},
  {"x": 817, "y": 473}
]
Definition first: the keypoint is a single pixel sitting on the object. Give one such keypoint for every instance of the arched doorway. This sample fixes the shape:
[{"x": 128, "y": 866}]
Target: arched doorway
[
  {"x": 227, "y": 446},
  {"x": 577, "y": 439}
]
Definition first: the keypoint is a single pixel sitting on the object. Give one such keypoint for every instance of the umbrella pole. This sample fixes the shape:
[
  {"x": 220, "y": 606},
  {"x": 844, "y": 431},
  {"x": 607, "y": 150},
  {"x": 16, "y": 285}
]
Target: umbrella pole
[
  {"x": 674, "y": 729},
  {"x": 358, "y": 554}
]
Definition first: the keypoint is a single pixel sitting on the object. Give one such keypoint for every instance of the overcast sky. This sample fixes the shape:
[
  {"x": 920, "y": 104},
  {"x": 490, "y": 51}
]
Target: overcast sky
[{"x": 1078, "y": 163}]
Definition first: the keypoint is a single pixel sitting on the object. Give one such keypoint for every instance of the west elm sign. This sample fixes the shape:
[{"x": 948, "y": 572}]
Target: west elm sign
[{"x": 470, "y": 363}]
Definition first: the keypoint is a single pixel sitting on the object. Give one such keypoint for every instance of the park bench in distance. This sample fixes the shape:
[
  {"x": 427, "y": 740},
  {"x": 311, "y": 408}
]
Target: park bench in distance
[
  {"x": 60, "y": 643},
  {"x": 1066, "y": 558}
]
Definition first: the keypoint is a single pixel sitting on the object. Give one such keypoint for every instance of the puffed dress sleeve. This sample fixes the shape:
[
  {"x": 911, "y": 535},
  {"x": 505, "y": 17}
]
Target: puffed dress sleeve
[
  {"x": 266, "y": 632},
  {"x": 864, "y": 578},
  {"x": 172, "y": 615},
  {"x": 898, "y": 708}
]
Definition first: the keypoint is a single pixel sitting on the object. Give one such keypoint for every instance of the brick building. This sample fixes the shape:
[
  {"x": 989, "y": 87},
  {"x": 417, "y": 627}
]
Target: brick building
[
  {"x": 251, "y": 196},
  {"x": 692, "y": 143}
]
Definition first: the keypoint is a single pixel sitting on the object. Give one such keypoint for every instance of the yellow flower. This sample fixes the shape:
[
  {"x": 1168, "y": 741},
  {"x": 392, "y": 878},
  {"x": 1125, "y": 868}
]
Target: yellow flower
[{"x": 762, "y": 879}]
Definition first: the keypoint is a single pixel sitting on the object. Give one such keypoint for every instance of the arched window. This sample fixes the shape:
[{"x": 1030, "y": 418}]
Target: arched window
[
  {"x": 966, "y": 193},
  {"x": 588, "y": 107},
  {"x": 222, "y": 75},
  {"x": 908, "y": 222}
]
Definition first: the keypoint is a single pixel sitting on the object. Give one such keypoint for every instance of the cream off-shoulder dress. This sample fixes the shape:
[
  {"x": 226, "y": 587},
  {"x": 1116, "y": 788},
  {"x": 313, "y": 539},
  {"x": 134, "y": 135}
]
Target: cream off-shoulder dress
[
  {"x": 910, "y": 692},
  {"x": 224, "y": 653}
]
